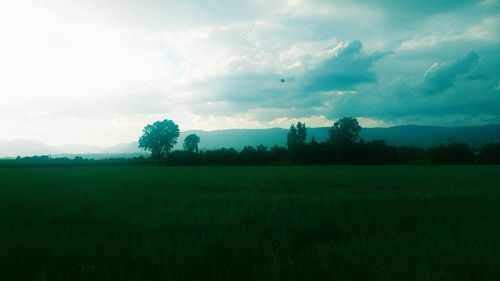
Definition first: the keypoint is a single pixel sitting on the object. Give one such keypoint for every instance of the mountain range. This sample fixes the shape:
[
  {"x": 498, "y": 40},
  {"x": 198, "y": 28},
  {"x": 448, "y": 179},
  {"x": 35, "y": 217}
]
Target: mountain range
[{"x": 421, "y": 136}]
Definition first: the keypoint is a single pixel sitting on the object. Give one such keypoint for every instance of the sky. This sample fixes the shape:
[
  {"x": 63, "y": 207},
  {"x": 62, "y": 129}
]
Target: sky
[{"x": 97, "y": 71}]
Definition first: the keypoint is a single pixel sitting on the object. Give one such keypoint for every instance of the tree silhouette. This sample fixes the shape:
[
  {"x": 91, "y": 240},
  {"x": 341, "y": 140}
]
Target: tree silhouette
[
  {"x": 191, "y": 143},
  {"x": 490, "y": 154},
  {"x": 296, "y": 140},
  {"x": 291, "y": 138},
  {"x": 451, "y": 153},
  {"x": 296, "y": 137},
  {"x": 343, "y": 136},
  {"x": 159, "y": 138},
  {"x": 345, "y": 131}
]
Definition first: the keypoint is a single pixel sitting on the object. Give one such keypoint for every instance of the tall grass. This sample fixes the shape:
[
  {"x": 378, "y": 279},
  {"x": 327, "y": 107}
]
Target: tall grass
[{"x": 250, "y": 223}]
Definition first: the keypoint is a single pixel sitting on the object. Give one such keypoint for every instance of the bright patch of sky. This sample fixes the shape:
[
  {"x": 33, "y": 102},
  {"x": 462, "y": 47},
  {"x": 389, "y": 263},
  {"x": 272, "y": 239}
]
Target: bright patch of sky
[{"x": 96, "y": 72}]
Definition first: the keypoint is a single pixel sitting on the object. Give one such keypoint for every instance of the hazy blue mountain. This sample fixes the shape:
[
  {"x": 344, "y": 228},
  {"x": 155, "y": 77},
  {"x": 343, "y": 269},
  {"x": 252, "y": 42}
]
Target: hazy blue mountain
[
  {"x": 237, "y": 138},
  {"x": 132, "y": 148},
  {"x": 426, "y": 136},
  {"x": 25, "y": 148},
  {"x": 423, "y": 136}
]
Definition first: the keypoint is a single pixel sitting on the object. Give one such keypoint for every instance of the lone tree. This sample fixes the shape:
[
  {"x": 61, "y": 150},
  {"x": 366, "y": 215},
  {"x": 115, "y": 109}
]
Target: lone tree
[
  {"x": 159, "y": 138},
  {"x": 191, "y": 143},
  {"x": 345, "y": 131}
]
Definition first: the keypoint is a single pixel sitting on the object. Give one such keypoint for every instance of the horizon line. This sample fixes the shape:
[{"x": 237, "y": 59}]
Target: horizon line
[{"x": 230, "y": 129}]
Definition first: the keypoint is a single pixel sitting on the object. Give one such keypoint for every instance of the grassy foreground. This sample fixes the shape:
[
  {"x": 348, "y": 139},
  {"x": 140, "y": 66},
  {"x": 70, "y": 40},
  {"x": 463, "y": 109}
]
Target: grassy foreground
[{"x": 250, "y": 223}]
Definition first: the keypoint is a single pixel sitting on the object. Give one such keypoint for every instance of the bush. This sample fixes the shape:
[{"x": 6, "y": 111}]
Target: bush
[
  {"x": 452, "y": 153},
  {"x": 182, "y": 158},
  {"x": 489, "y": 154},
  {"x": 411, "y": 155}
]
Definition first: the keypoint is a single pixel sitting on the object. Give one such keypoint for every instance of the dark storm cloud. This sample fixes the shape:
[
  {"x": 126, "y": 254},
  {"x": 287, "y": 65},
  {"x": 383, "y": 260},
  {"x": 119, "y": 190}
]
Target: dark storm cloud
[
  {"x": 464, "y": 89},
  {"x": 343, "y": 69},
  {"x": 347, "y": 68},
  {"x": 282, "y": 59},
  {"x": 441, "y": 76}
]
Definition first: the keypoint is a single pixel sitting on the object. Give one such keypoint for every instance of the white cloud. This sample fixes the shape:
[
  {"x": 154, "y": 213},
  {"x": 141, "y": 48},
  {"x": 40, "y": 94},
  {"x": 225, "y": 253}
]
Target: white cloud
[{"x": 117, "y": 65}]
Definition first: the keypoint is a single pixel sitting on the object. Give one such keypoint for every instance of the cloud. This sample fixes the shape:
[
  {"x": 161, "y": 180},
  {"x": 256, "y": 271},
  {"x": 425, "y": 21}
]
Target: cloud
[
  {"x": 462, "y": 89},
  {"x": 320, "y": 76},
  {"x": 346, "y": 68},
  {"x": 420, "y": 7},
  {"x": 221, "y": 64},
  {"x": 158, "y": 15},
  {"x": 441, "y": 76},
  {"x": 342, "y": 80}
]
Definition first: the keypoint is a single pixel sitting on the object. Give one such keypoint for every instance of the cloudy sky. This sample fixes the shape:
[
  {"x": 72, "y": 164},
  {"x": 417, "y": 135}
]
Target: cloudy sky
[{"x": 98, "y": 71}]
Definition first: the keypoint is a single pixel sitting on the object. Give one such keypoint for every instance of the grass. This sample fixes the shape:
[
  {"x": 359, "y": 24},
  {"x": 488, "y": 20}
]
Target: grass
[{"x": 250, "y": 223}]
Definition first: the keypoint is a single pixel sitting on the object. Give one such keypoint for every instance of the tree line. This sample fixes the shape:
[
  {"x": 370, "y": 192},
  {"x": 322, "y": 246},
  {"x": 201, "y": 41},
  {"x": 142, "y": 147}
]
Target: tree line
[{"x": 343, "y": 146}]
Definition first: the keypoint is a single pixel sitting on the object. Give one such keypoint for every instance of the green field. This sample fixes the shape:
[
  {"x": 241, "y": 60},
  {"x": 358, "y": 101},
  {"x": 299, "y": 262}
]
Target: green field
[{"x": 250, "y": 223}]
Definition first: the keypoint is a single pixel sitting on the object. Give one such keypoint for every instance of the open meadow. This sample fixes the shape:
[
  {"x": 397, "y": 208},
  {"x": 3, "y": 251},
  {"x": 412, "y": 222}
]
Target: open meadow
[{"x": 250, "y": 223}]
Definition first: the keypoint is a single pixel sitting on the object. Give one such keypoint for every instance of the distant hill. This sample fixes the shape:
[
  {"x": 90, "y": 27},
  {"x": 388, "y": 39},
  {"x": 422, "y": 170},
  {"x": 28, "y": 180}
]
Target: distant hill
[
  {"x": 425, "y": 136},
  {"x": 14, "y": 148},
  {"x": 422, "y": 136},
  {"x": 237, "y": 138},
  {"x": 24, "y": 148}
]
